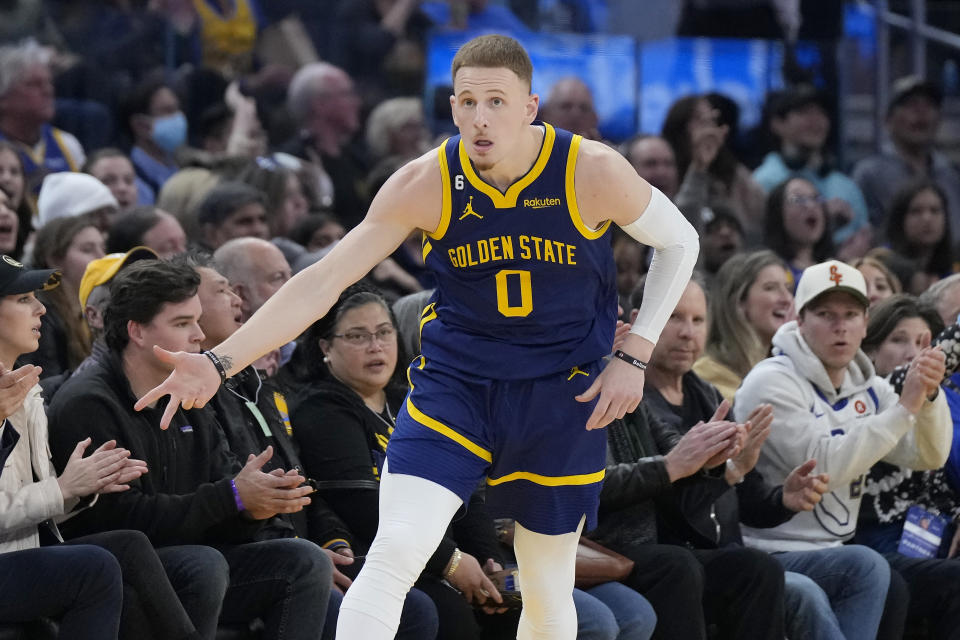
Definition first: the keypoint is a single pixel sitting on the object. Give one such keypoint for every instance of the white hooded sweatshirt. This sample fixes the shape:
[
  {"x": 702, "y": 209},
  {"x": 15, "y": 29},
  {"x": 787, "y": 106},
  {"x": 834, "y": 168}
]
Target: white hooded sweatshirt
[{"x": 846, "y": 431}]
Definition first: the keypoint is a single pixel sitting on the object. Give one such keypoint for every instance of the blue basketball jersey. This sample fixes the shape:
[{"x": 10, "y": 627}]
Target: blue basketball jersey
[{"x": 524, "y": 288}]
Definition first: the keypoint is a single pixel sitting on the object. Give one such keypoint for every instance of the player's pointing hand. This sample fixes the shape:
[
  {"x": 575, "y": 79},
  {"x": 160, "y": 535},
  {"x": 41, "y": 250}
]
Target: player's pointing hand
[{"x": 191, "y": 384}]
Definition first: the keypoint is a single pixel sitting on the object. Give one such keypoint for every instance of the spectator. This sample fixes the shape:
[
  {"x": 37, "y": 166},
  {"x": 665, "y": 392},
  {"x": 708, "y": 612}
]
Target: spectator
[
  {"x": 33, "y": 494},
  {"x": 318, "y": 231},
  {"x": 712, "y": 175},
  {"x": 94, "y": 296},
  {"x": 631, "y": 260},
  {"x": 707, "y": 509},
  {"x": 944, "y": 296},
  {"x": 13, "y": 183},
  {"x": 397, "y": 128},
  {"x": 256, "y": 270},
  {"x": 569, "y": 106},
  {"x": 232, "y": 210},
  {"x": 147, "y": 226},
  {"x": 753, "y": 298},
  {"x": 913, "y": 117},
  {"x": 796, "y": 226},
  {"x": 70, "y": 194},
  {"x": 881, "y": 282},
  {"x": 12, "y": 237},
  {"x": 183, "y": 193},
  {"x": 113, "y": 168},
  {"x": 655, "y": 162},
  {"x": 899, "y": 329},
  {"x": 722, "y": 238},
  {"x": 801, "y": 123},
  {"x": 919, "y": 230},
  {"x": 201, "y": 498},
  {"x": 26, "y": 110},
  {"x": 285, "y": 198},
  {"x": 158, "y": 127},
  {"x": 66, "y": 244},
  {"x": 830, "y": 406},
  {"x": 326, "y": 109}
]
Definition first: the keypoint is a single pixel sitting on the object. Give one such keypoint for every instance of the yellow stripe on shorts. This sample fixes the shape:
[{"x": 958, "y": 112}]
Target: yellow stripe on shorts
[{"x": 550, "y": 481}]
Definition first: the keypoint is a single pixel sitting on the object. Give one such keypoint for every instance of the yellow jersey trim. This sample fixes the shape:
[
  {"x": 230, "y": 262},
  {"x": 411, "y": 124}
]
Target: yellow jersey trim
[
  {"x": 430, "y": 313},
  {"x": 587, "y": 232},
  {"x": 444, "y": 430},
  {"x": 549, "y": 481},
  {"x": 509, "y": 199},
  {"x": 445, "y": 187},
  {"x": 427, "y": 248},
  {"x": 63, "y": 149}
]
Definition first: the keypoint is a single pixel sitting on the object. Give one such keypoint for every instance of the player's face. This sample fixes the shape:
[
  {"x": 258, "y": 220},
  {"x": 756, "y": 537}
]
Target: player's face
[
  {"x": 362, "y": 352},
  {"x": 491, "y": 107}
]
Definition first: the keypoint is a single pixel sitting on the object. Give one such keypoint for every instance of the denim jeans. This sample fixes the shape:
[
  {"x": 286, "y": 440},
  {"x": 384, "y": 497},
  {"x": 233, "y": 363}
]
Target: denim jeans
[
  {"x": 418, "y": 621},
  {"x": 613, "y": 611},
  {"x": 285, "y": 582},
  {"x": 199, "y": 576},
  {"x": 80, "y": 586},
  {"x": 854, "y": 578},
  {"x": 809, "y": 615},
  {"x": 152, "y": 609}
]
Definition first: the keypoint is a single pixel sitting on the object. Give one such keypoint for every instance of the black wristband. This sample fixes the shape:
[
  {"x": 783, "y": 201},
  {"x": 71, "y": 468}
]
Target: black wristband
[
  {"x": 639, "y": 364},
  {"x": 216, "y": 363}
]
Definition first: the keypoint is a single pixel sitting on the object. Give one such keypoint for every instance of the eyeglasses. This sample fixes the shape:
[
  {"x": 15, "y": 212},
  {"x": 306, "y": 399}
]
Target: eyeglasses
[
  {"x": 383, "y": 335},
  {"x": 804, "y": 200}
]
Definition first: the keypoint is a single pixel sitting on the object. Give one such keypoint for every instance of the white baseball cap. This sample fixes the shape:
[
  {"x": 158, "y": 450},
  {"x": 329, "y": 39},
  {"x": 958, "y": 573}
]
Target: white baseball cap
[{"x": 831, "y": 275}]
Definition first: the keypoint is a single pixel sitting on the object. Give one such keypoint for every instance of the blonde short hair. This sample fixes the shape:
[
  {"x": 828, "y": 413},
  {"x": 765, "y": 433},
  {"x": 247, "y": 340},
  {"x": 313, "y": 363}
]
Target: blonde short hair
[{"x": 494, "y": 51}]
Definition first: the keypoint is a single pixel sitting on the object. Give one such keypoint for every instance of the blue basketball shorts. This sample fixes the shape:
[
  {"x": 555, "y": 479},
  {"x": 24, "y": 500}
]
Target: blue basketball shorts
[{"x": 528, "y": 438}]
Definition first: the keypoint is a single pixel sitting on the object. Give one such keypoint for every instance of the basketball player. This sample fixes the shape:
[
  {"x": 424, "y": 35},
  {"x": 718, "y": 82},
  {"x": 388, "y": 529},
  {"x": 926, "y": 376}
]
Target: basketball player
[{"x": 515, "y": 217}]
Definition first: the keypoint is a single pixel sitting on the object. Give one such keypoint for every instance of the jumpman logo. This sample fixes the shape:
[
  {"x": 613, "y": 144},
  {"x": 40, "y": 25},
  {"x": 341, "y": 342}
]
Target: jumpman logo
[
  {"x": 468, "y": 210},
  {"x": 835, "y": 276},
  {"x": 575, "y": 371}
]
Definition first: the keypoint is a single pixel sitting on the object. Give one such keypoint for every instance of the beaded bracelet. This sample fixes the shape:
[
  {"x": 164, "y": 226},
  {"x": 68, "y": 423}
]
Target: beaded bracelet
[{"x": 236, "y": 496}]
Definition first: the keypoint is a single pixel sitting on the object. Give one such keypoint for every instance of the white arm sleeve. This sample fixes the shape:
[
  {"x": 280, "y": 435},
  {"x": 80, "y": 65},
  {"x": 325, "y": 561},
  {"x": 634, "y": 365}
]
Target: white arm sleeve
[{"x": 676, "y": 245}]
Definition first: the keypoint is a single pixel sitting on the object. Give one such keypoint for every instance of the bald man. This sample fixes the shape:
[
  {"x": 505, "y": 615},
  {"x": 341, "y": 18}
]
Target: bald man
[
  {"x": 255, "y": 268},
  {"x": 570, "y": 106}
]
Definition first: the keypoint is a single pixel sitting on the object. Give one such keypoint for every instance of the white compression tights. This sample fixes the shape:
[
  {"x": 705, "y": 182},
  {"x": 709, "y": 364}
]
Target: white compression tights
[
  {"x": 414, "y": 514},
  {"x": 546, "y": 565}
]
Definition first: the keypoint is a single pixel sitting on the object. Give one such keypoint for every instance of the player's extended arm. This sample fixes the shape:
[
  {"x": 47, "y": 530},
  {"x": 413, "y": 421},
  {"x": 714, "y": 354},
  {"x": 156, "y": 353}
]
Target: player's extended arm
[
  {"x": 607, "y": 187},
  {"x": 411, "y": 198}
]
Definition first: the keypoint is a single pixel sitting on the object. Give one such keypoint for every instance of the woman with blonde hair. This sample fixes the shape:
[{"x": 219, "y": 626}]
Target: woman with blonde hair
[
  {"x": 751, "y": 298},
  {"x": 881, "y": 281}
]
